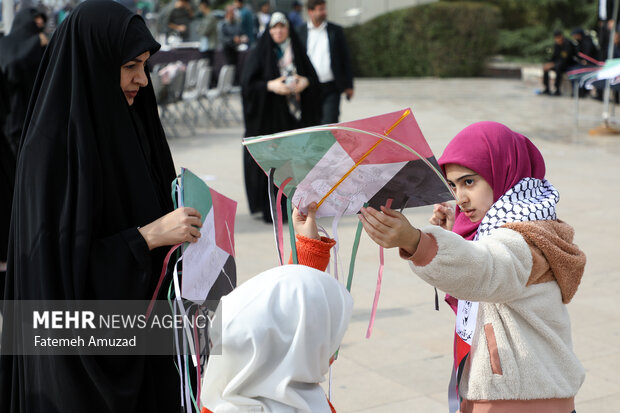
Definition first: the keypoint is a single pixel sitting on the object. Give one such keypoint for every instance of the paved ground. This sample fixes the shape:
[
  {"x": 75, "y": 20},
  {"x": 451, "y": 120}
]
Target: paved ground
[{"x": 404, "y": 367}]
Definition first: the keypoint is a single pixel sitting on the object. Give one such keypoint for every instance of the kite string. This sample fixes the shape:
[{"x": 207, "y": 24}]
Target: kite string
[
  {"x": 274, "y": 211},
  {"x": 337, "y": 245},
  {"x": 372, "y": 148},
  {"x": 323, "y": 231},
  {"x": 198, "y": 372},
  {"x": 280, "y": 230},
  {"x": 375, "y": 303}
]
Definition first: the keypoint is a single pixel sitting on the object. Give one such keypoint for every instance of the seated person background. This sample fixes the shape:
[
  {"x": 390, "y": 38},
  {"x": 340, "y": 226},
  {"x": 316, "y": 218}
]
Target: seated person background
[
  {"x": 562, "y": 58},
  {"x": 586, "y": 47}
]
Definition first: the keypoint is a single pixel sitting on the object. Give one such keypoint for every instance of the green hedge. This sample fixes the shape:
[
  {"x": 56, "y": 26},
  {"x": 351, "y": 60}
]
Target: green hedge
[
  {"x": 438, "y": 39},
  {"x": 527, "y": 25}
]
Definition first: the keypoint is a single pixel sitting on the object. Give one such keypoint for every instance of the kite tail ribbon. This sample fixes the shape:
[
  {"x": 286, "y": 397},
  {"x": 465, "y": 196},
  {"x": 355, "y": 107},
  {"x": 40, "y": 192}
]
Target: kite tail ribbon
[{"x": 375, "y": 303}]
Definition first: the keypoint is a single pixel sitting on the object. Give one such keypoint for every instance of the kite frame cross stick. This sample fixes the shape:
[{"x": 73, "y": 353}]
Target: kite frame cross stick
[{"x": 373, "y": 147}]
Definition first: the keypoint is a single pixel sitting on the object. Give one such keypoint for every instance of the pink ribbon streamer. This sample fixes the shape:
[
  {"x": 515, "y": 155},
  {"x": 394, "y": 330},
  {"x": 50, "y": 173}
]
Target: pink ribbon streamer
[
  {"x": 375, "y": 303},
  {"x": 164, "y": 269}
]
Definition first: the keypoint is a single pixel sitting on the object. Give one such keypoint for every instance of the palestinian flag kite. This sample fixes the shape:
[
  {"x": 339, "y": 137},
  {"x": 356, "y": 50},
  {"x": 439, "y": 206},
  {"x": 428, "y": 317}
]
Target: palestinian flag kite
[
  {"x": 344, "y": 165},
  {"x": 209, "y": 270}
]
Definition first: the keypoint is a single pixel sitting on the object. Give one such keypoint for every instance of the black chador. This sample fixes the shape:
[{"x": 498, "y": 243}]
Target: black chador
[
  {"x": 91, "y": 170},
  {"x": 20, "y": 54},
  {"x": 7, "y": 177}
]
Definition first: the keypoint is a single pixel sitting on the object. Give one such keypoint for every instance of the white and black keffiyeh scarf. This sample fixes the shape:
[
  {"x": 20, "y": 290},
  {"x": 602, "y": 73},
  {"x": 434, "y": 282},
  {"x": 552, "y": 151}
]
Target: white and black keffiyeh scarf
[{"x": 530, "y": 199}]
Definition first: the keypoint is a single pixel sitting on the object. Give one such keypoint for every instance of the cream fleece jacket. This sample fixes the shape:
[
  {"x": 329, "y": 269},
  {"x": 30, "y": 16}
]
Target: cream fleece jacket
[{"x": 522, "y": 347}]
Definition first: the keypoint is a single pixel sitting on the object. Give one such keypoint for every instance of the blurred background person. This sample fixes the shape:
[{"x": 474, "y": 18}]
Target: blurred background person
[
  {"x": 20, "y": 54},
  {"x": 295, "y": 15},
  {"x": 207, "y": 30},
  {"x": 563, "y": 57},
  {"x": 585, "y": 47},
  {"x": 245, "y": 17},
  {"x": 230, "y": 36},
  {"x": 180, "y": 18},
  {"x": 262, "y": 18},
  {"x": 328, "y": 50},
  {"x": 280, "y": 91},
  {"x": 606, "y": 23}
]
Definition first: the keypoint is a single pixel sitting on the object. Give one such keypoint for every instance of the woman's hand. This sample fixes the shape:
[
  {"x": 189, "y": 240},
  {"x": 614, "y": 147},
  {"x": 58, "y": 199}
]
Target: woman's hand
[
  {"x": 443, "y": 216},
  {"x": 390, "y": 229},
  {"x": 301, "y": 83},
  {"x": 306, "y": 224},
  {"x": 180, "y": 225},
  {"x": 278, "y": 86}
]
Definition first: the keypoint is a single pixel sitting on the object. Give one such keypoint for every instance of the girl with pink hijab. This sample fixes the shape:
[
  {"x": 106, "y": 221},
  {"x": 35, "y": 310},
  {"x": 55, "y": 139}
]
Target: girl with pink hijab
[{"x": 509, "y": 267}]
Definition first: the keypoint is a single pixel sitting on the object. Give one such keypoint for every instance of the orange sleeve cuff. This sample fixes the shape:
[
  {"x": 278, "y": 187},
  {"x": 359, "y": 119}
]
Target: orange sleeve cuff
[
  {"x": 313, "y": 252},
  {"x": 427, "y": 250}
]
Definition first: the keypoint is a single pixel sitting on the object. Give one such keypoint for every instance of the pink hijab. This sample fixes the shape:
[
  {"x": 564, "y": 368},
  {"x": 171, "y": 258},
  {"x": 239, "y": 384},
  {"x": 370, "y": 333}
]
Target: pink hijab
[{"x": 502, "y": 157}]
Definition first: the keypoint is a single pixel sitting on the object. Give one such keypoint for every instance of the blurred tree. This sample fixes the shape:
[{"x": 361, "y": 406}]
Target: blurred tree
[{"x": 527, "y": 25}]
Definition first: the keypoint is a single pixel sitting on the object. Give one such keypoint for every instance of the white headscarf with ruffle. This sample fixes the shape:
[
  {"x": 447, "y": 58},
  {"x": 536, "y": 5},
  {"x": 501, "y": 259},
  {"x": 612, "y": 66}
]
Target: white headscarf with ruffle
[{"x": 279, "y": 330}]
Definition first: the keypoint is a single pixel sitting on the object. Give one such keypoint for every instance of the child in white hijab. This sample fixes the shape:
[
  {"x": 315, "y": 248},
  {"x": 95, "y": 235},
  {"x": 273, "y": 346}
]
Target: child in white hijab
[{"x": 279, "y": 331}]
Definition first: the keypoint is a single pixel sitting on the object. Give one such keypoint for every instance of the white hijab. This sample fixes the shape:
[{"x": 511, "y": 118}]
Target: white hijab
[{"x": 279, "y": 330}]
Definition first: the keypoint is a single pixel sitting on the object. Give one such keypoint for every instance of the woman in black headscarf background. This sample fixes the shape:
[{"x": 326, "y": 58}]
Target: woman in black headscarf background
[
  {"x": 20, "y": 54},
  {"x": 280, "y": 92},
  {"x": 7, "y": 177},
  {"x": 91, "y": 208}
]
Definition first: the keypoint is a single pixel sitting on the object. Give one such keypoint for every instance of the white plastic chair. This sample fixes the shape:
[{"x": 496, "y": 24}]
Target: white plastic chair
[
  {"x": 218, "y": 96},
  {"x": 193, "y": 98}
]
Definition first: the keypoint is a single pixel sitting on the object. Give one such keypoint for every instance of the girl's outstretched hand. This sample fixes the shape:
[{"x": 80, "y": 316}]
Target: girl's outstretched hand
[
  {"x": 443, "y": 216},
  {"x": 390, "y": 229},
  {"x": 306, "y": 224}
]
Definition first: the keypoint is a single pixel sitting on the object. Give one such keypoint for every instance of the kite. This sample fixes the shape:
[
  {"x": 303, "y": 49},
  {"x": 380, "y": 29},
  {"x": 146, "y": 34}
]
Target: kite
[
  {"x": 208, "y": 272},
  {"x": 382, "y": 160},
  {"x": 343, "y": 166},
  {"x": 596, "y": 75},
  {"x": 209, "y": 264}
]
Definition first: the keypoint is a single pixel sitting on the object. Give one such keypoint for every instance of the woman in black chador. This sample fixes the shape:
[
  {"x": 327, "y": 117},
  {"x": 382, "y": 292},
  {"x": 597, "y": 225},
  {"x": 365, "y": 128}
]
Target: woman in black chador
[
  {"x": 7, "y": 177},
  {"x": 20, "y": 54},
  {"x": 91, "y": 208},
  {"x": 280, "y": 92}
]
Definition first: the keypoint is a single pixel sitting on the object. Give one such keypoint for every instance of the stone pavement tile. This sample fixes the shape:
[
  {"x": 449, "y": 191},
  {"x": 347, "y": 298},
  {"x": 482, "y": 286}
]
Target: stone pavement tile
[
  {"x": 591, "y": 313},
  {"x": 422, "y": 404},
  {"x": 607, "y": 404},
  {"x": 369, "y": 388},
  {"x": 387, "y": 349},
  {"x": 425, "y": 376},
  {"x": 606, "y": 369},
  {"x": 595, "y": 387}
]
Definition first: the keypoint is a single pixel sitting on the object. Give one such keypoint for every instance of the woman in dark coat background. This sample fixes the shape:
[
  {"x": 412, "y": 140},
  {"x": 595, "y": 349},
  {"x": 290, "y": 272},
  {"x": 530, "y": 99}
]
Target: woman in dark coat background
[
  {"x": 92, "y": 208},
  {"x": 280, "y": 92},
  {"x": 20, "y": 54}
]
